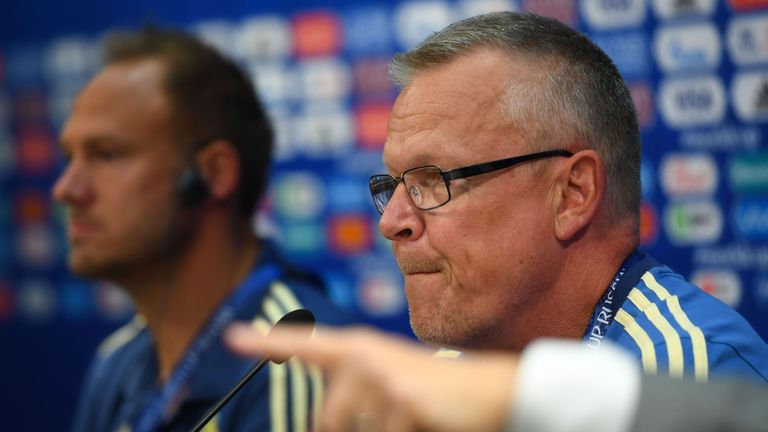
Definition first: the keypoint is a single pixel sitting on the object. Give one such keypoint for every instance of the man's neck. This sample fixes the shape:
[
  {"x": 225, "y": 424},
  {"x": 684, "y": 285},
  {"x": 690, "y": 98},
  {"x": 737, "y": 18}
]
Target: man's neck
[
  {"x": 566, "y": 310},
  {"x": 180, "y": 298}
]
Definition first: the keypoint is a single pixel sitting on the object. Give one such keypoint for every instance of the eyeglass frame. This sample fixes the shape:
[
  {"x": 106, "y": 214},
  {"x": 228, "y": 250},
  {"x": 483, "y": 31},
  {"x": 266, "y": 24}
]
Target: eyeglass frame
[{"x": 462, "y": 172}]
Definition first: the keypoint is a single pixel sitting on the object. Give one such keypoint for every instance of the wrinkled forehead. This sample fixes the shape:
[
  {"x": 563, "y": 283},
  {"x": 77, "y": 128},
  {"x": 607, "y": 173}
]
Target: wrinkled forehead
[{"x": 455, "y": 113}]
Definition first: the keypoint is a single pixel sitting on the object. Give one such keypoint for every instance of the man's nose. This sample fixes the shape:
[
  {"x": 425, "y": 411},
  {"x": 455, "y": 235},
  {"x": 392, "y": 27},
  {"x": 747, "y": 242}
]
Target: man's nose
[
  {"x": 72, "y": 185},
  {"x": 401, "y": 220}
]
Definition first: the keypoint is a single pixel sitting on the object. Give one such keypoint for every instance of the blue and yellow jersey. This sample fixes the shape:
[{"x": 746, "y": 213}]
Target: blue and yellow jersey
[
  {"x": 281, "y": 397},
  {"x": 674, "y": 328}
]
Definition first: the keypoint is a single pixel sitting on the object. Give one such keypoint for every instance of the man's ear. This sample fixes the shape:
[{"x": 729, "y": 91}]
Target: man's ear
[
  {"x": 219, "y": 165},
  {"x": 581, "y": 192}
]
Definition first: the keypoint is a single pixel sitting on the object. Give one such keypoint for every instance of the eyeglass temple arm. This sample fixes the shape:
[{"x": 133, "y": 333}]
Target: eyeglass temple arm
[{"x": 483, "y": 168}]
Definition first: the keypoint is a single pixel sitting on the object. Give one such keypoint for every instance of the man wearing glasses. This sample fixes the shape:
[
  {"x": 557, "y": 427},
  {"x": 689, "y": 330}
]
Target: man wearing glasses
[{"x": 512, "y": 203}]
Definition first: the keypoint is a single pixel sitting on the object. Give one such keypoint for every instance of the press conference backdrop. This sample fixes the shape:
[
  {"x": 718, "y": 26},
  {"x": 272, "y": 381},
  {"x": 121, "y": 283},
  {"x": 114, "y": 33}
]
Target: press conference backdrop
[{"x": 697, "y": 69}]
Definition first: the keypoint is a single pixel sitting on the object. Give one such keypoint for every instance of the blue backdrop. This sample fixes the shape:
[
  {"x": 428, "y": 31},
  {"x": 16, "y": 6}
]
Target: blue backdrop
[{"x": 698, "y": 71}]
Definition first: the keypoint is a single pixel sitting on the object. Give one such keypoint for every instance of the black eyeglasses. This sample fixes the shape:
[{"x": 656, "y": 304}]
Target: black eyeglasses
[{"x": 429, "y": 187}]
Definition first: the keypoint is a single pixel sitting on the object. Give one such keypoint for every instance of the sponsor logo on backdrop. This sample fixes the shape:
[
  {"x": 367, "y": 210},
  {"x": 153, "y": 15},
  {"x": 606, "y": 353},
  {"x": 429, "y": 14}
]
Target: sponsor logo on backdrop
[
  {"x": 316, "y": 34},
  {"x": 610, "y": 14},
  {"x": 372, "y": 77},
  {"x": 746, "y": 5},
  {"x": 372, "y": 121},
  {"x": 642, "y": 96},
  {"x": 689, "y": 174},
  {"x": 31, "y": 206},
  {"x": 470, "y": 8},
  {"x": 263, "y": 38},
  {"x": 36, "y": 245},
  {"x": 748, "y": 39},
  {"x": 628, "y": 50},
  {"x": 276, "y": 83},
  {"x": 750, "y": 219},
  {"x": 692, "y": 101},
  {"x": 220, "y": 34},
  {"x": 416, "y": 20},
  {"x": 35, "y": 151},
  {"x": 561, "y": 10},
  {"x": 349, "y": 234},
  {"x": 381, "y": 294},
  {"x": 324, "y": 79},
  {"x": 748, "y": 172},
  {"x": 298, "y": 195},
  {"x": 367, "y": 30},
  {"x": 649, "y": 224},
  {"x": 303, "y": 238},
  {"x": 693, "y": 223},
  {"x": 750, "y": 95},
  {"x": 112, "y": 302},
  {"x": 324, "y": 130},
  {"x": 36, "y": 301},
  {"x": 724, "y": 285},
  {"x": 668, "y": 9},
  {"x": 286, "y": 146},
  {"x": 688, "y": 47},
  {"x": 70, "y": 57}
]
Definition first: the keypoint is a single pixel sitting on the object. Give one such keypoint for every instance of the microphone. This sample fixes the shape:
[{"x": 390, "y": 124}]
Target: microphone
[{"x": 298, "y": 316}]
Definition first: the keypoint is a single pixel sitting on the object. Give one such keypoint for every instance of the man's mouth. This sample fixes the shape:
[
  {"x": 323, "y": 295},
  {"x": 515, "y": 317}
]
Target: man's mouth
[{"x": 417, "y": 266}]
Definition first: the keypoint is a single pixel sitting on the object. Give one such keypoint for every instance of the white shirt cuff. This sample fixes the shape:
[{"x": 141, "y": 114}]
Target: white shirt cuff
[{"x": 565, "y": 386}]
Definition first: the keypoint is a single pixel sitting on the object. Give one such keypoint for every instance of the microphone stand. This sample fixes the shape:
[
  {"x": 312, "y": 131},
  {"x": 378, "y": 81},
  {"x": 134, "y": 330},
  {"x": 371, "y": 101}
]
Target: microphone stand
[{"x": 215, "y": 409}]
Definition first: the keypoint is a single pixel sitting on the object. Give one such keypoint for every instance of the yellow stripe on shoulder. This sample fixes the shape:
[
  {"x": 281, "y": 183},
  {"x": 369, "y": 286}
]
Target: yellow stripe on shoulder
[
  {"x": 671, "y": 337},
  {"x": 446, "y": 353},
  {"x": 121, "y": 336},
  {"x": 285, "y": 296},
  {"x": 213, "y": 425},
  {"x": 698, "y": 342},
  {"x": 647, "y": 350}
]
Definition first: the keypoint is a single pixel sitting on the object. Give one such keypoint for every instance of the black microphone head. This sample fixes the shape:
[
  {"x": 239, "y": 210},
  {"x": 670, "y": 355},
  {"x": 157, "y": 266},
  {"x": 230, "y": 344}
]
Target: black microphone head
[{"x": 295, "y": 317}]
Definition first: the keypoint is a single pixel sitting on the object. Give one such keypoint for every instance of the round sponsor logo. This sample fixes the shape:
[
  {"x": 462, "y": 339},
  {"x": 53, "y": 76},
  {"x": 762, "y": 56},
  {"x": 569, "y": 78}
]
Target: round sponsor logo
[
  {"x": 692, "y": 101},
  {"x": 688, "y": 47},
  {"x": 667, "y": 9},
  {"x": 112, "y": 302},
  {"x": 725, "y": 285},
  {"x": 298, "y": 195},
  {"x": 36, "y": 301},
  {"x": 750, "y": 96},
  {"x": 611, "y": 14},
  {"x": 693, "y": 223},
  {"x": 414, "y": 21},
  {"x": 36, "y": 245},
  {"x": 263, "y": 37},
  {"x": 689, "y": 174}
]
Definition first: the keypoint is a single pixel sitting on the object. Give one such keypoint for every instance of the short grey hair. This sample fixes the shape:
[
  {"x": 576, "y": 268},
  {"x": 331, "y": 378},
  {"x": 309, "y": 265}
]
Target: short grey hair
[{"x": 577, "y": 95}]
